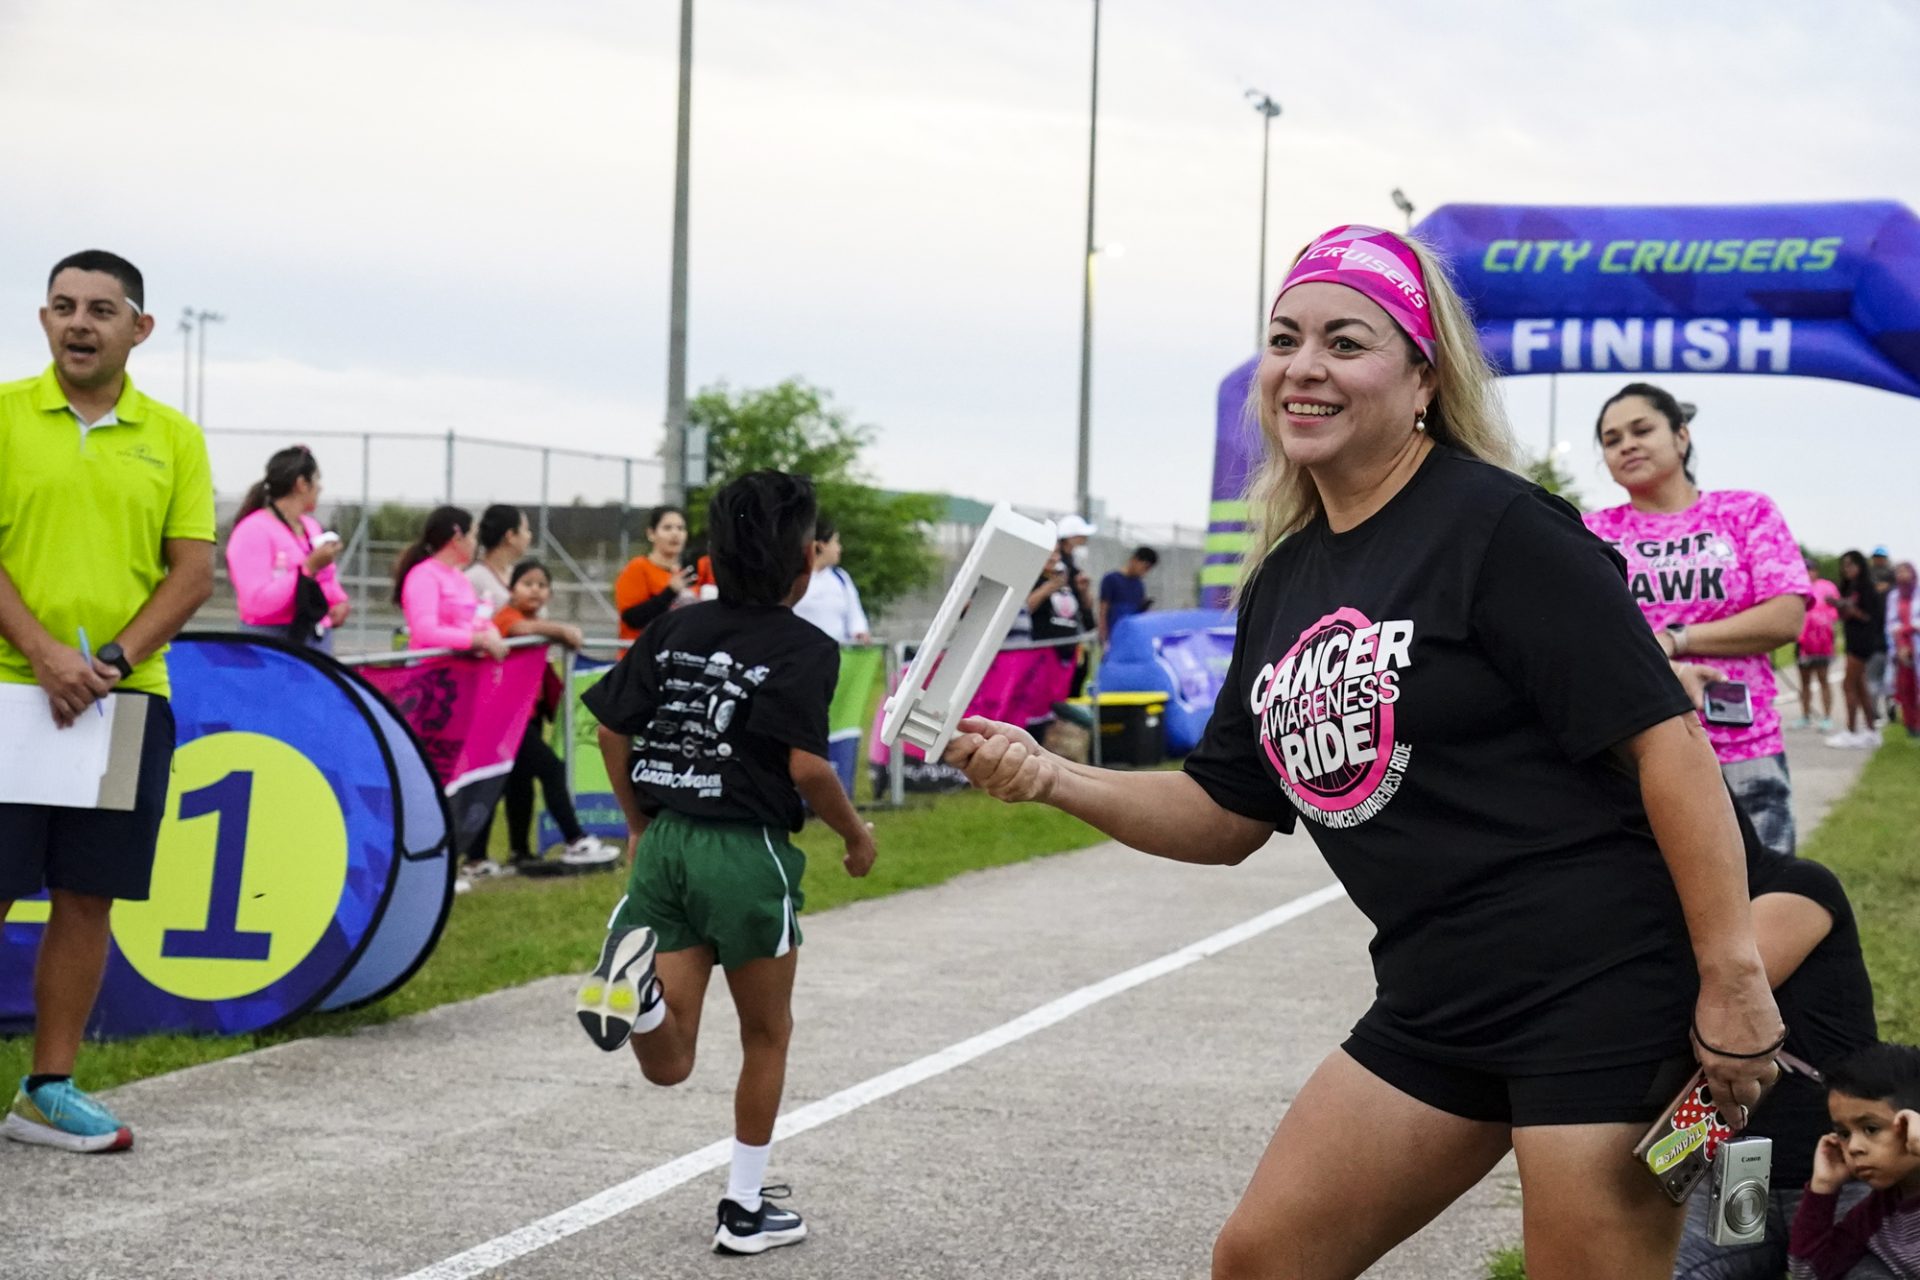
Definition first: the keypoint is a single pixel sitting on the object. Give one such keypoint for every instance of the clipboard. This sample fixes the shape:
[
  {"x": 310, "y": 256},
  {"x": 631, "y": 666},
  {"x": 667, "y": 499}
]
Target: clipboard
[{"x": 94, "y": 763}]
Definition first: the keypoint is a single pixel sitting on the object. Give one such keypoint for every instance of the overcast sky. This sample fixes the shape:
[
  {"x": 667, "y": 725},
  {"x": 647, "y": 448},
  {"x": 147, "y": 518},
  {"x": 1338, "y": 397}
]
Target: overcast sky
[{"x": 457, "y": 213}]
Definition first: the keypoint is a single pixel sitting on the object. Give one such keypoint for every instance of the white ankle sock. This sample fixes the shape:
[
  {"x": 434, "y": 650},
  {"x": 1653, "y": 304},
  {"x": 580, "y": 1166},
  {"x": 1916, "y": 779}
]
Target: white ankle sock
[
  {"x": 651, "y": 1016},
  {"x": 749, "y": 1172}
]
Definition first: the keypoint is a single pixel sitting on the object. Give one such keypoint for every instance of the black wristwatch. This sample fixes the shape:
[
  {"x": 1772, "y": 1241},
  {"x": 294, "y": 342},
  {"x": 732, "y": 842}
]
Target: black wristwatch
[{"x": 114, "y": 656}]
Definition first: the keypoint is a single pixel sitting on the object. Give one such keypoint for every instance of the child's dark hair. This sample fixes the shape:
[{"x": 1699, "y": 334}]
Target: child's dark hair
[
  {"x": 285, "y": 469},
  {"x": 496, "y": 522},
  {"x": 761, "y": 526},
  {"x": 1677, "y": 415},
  {"x": 824, "y": 527},
  {"x": 1147, "y": 556},
  {"x": 1888, "y": 1072},
  {"x": 655, "y": 516},
  {"x": 443, "y": 526},
  {"x": 524, "y": 568}
]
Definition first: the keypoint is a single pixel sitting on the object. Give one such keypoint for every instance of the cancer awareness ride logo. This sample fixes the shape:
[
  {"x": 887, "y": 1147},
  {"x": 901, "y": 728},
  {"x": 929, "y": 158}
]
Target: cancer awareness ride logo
[{"x": 1326, "y": 717}]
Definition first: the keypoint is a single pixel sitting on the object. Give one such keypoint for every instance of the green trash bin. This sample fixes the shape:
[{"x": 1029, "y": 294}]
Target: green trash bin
[{"x": 1133, "y": 727}]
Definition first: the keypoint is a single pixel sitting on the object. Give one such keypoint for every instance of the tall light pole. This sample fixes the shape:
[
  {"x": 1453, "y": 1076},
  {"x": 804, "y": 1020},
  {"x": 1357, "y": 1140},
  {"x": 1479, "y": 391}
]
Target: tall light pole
[
  {"x": 1082, "y": 497},
  {"x": 675, "y": 453},
  {"x": 1404, "y": 205},
  {"x": 204, "y": 318},
  {"x": 1268, "y": 109},
  {"x": 186, "y": 361}
]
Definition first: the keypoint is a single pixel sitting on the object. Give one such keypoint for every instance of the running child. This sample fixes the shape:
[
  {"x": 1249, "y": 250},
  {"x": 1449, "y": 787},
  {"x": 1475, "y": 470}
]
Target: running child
[
  {"x": 714, "y": 726},
  {"x": 1874, "y": 1099}
]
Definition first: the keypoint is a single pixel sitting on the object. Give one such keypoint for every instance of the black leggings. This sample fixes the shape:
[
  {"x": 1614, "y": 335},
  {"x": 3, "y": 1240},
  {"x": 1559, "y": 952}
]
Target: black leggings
[{"x": 535, "y": 759}]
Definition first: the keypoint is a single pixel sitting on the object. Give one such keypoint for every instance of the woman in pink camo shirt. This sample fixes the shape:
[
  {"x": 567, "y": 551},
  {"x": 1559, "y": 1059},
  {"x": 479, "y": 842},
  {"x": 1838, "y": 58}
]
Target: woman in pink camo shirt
[{"x": 1718, "y": 576}]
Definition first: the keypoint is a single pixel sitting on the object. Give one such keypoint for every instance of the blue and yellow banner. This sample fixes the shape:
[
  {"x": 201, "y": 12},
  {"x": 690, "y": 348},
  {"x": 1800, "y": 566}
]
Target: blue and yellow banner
[{"x": 302, "y": 862}]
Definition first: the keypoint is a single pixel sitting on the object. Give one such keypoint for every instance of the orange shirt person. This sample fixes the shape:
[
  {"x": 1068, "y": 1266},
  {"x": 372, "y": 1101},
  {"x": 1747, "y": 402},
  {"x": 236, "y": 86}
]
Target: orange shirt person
[{"x": 655, "y": 582}]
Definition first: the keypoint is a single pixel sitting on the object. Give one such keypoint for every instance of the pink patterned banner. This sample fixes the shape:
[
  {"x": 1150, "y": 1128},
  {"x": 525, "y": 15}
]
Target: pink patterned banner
[{"x": 469, "y": 713}]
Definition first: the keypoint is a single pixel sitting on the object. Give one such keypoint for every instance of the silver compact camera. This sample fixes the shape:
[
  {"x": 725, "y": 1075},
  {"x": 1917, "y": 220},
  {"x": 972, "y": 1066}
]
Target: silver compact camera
[{"x": 1742, "y": 1175}]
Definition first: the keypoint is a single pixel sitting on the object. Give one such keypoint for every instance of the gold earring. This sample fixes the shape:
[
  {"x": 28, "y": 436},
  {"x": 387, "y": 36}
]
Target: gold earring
[{"x": 1420, "y": 420}]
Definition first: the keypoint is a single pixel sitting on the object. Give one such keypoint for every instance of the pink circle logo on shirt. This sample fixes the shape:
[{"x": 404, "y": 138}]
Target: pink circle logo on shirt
[{"x": 1326, "y": 712}]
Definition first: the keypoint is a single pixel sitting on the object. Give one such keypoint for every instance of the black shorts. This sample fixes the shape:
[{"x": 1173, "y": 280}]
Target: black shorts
[
  {"x": 1631, "y": 1094},
  {"x": 92, "y": 851}
]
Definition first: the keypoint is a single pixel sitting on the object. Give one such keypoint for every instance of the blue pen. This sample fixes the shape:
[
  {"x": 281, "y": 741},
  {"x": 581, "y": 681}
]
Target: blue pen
[{"x": 86, "y": 655}]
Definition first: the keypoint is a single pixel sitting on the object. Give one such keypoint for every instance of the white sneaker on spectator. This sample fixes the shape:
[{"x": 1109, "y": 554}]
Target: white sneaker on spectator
[
  {"x": 1844, "y": 738},
  {"x": 590, "y": 851},
  {"x": 1867, "y": 739}
]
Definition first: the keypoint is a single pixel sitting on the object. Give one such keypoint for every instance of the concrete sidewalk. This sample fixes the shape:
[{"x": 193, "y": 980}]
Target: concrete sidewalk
[{"x": 1109, "y": 1144}]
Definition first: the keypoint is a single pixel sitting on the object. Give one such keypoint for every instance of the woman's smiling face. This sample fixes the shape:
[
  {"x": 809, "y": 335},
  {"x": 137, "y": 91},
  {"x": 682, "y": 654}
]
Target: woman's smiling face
[{"x": 1338, "y": 379}]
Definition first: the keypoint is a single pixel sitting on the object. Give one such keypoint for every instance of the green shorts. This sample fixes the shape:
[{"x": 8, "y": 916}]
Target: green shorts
[{"x": 733, "y": 886}]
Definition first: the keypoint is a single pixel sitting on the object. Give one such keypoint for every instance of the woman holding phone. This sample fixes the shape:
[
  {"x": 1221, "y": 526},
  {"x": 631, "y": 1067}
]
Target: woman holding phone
[
  {"x": 1719, "y": 578},
  {"x": 279, "y": 559},
  {"x": 655, "y": 582}
]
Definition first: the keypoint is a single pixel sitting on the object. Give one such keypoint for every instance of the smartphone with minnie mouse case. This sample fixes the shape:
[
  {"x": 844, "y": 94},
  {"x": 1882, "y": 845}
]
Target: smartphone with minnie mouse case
[{"x": 1679, "y": 1148}]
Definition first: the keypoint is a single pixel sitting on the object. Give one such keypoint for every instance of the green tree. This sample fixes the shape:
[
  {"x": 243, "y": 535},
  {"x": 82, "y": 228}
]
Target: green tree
[
  {"x": 792, "y": 427},
  {"x": 1546, "y": 473}
]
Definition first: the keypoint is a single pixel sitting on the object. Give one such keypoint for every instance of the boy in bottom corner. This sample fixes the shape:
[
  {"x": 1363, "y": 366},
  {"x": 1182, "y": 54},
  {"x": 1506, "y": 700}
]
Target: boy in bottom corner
[
  {"x": 714, "y": 727},
  {"x": 1873, "y": 1097}
]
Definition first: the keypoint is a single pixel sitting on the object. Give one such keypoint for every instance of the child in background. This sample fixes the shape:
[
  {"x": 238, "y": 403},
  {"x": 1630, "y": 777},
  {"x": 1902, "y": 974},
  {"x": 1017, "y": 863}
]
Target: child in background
[
  {"x": 714, "y": 726},
  {"x": 1813, "y": 653},
  {"x": 1874, "y": 1099},
  {"x": 529, "y": 588}
]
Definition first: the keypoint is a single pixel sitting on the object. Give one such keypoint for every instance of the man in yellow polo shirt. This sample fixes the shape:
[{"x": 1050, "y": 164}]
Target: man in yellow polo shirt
[{"x": 106, "y": 550}]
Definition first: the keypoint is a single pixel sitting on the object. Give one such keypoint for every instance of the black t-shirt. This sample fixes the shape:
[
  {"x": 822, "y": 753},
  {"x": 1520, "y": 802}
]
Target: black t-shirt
[
  {"x": 1827, "y": 1005},
  {"x": 1865, "y": 637},
  {"x": 1437, "y": 689},
  {"x": 714, "y": 695},
  {"x": 1064, "y": 613}
]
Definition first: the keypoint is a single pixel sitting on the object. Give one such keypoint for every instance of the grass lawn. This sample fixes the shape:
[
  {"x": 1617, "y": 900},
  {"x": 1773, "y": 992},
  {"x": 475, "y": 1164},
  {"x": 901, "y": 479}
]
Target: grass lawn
[
  {"x": 1871, "y": 840},
  {"x": 511, "y": 931}
]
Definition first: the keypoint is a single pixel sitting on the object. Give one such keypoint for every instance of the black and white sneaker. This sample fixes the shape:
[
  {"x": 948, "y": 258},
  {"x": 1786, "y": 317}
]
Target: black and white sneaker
[
  {"x": 767, "y": 1227},
  {"x": 620, "y": 988}
]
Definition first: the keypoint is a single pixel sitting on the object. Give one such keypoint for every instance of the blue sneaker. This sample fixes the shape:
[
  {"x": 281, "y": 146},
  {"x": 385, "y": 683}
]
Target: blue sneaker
[{"x": 59, "y": 1115}]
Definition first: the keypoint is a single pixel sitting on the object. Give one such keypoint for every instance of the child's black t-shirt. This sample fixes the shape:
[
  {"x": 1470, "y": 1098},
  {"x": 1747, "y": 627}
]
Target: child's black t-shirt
[
  {"x": 1436, "y": 691},
  {"x": 715, "y": 695}
]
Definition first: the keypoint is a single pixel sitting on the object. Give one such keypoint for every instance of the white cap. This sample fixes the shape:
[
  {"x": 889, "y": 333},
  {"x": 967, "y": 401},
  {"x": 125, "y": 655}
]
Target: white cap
[{"x": 1074, "y": 527}]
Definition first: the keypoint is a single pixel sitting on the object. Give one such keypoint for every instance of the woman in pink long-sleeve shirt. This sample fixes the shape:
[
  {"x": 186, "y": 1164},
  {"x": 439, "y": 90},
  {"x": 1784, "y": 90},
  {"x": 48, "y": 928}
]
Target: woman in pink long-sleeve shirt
[
  {"x": 276, "y": 542},
  {"x": 441, "y": 607}
]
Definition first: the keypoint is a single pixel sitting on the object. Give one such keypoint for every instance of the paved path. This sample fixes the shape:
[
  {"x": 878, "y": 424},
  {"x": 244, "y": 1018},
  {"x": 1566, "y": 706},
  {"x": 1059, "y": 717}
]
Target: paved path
[{"x": 1106, "y": 1137}]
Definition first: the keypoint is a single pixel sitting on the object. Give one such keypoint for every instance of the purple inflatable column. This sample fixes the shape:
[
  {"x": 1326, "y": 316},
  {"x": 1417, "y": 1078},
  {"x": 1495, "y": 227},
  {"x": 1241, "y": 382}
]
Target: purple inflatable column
[{"x": 1235, "y": 454}]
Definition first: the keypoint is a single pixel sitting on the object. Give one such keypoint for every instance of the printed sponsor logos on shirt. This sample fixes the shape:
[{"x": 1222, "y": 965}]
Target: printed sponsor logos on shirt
[
  {"x": 704, "y": 695},
  {"x": 1326, "y": 716}
]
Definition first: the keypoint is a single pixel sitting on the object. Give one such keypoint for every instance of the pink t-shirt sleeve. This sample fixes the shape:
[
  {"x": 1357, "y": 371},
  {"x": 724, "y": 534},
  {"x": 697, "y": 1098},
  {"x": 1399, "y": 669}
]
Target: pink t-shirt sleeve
[
  {"x": 262, "y": 583},
  {"x": 1774, "y": 562},
  {"x": 329, "y": 577},
  {"x": 424, "y": 599}
]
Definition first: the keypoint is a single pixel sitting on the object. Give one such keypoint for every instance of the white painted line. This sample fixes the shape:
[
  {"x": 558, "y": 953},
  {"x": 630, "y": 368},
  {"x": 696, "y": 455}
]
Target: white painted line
[{"x": 658, "y": 1181}]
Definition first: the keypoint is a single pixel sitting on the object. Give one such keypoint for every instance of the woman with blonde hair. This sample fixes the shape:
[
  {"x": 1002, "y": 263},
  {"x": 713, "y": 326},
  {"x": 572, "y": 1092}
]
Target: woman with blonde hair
[{"x": 1442, "y": 671}]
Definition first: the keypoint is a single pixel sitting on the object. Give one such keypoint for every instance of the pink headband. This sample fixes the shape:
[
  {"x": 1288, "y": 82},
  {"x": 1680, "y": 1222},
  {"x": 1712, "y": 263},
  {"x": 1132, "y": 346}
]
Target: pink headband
[{"x": 1377, "y": 264}]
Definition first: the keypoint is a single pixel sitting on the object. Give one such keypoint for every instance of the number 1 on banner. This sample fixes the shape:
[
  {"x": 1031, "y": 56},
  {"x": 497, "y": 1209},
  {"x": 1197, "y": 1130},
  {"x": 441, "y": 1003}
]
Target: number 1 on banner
[
  {"x": 229, "y": 802},
  {"x": 248, "y": 870}
]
